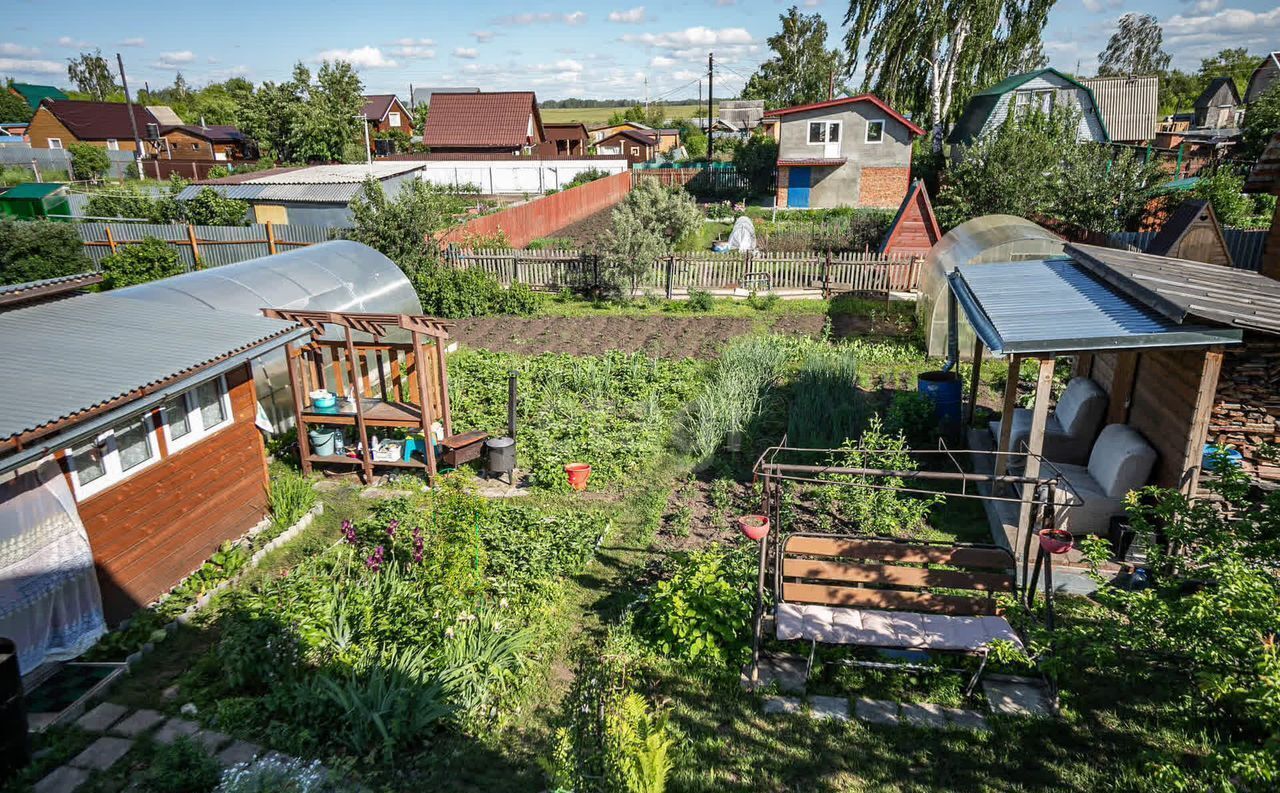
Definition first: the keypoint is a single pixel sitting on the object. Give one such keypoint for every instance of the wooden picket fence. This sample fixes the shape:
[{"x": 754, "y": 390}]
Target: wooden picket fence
[{"x": 553, "y": 270}]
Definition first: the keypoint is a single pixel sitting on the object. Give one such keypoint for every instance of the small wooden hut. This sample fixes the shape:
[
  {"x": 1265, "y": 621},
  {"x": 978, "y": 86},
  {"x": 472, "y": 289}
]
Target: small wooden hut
[
  {"x": 1192, "y": 232},
  {"x": 914, "y": 229}
]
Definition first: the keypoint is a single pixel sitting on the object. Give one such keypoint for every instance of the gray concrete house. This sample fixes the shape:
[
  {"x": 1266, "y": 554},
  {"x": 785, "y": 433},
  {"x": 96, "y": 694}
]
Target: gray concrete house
[
  {"x": 1044, "y": 90},
  {"x": 850, "y": 152}
]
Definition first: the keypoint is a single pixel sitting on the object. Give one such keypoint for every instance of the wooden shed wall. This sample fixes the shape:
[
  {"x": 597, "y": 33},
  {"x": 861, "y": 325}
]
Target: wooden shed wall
[{"x": 152, "y": 529}]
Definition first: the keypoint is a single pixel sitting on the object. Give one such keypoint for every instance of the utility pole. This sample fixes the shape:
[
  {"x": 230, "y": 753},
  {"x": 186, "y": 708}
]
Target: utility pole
[
  {"x": 368, "y": 152},
  {"x": 133, "y": 121},
  {"x": 412, "y": 106},
  {"x": 711, "y": 68},
  {"x": 646, "y": 99},
  {"x": 831, "y": 85}
]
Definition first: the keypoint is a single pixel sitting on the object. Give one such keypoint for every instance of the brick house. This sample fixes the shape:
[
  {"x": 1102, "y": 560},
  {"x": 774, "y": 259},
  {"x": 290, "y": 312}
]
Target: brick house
[
  {"x": 384, "y": 113},
  {"x": 854, "y": 152},
  {"x": 497, "y": 122},
  {"x": 220, "y": 142},
  {"x": 636, "y": 145},
  {"x": 58, "y": 123}
]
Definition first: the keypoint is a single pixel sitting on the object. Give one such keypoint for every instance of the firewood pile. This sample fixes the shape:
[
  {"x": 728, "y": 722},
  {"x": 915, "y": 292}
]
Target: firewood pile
[{"x": 1246, "y": 413}]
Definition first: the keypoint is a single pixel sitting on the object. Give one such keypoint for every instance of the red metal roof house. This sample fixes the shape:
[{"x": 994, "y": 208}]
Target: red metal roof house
[{"x": 494, "y": 122}]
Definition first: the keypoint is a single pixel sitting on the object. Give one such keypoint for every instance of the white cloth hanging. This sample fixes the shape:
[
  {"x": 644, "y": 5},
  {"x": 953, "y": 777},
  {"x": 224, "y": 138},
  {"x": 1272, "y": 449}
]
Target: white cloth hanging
[
  {"x": 50, "y": 605},
  {"x": 743, "y": 236}
]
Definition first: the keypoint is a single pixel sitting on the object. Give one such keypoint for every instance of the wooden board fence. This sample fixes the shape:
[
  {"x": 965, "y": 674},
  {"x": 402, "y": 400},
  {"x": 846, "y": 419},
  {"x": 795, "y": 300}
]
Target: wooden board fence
[{"x": 762, "y": 271}]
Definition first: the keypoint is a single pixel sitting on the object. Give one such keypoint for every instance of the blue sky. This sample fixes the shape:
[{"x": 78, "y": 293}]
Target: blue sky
[{"x": 558, "y": 48}]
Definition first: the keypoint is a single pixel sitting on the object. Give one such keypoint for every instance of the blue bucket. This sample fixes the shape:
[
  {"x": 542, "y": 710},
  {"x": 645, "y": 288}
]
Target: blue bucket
[
  {"x": 943, "y": 390},
  {"x": 322, "y": 441},
  {"x": 325, "y": 404},
  {"x": 1234, "y": 457}
]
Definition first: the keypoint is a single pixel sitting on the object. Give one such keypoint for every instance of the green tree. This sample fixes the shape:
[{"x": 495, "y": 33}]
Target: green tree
[
  {"x": 403, "y": 228},
  {"x": 140, "y": 262},
  {"x": 211, "y": 208},
  {"x": 32, "y": 250},
  {"x": 91, "y": 73},
  {"x": 1178, "y": 91},
  {"x": 802, "y": 69},
  {"x": 88, "y": 162},
  {"x": 1231, "y": 205},
  {"x": 270, "y": 113},
  {"x": 134, "y": 202},
  {"x": 1136, "y": 48},
  {"x": 1235, "y": 63},
  {"x": 757, "y": 159},
  {"x": 926, "y": 57},
  {"x": 13, "y": 108},
  {"x": 301, "y": 121},
  {"x": 645, "y": 226},
  {"x": 1261, "y": 121}
]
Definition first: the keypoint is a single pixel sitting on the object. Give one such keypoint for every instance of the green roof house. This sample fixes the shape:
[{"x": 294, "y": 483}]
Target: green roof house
[
  {"x": 1043, "y": 89},
  {"x": 34, "y": 94}
]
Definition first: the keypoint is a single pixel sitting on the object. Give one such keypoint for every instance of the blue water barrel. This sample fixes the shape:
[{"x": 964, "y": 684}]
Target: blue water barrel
[
  {"x": 1234, "y": 458},
  {"x": 943, "y": 390}
]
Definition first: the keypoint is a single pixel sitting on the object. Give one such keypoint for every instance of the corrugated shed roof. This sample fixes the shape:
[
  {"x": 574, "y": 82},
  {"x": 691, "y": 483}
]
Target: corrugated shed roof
[
  {"x": 482, "y": 120},
  {"x": 1129, "y": 105},
  {"x": 1179, "y": 288},
  {"x": 33, "y": 190},
  {"x": 305, "y": 193},
  {"x": 11, "y": 293},
  {"x": 68, "y": 357},
  {"x": 217, "y": 133},
  {"x": 99, "y": 120},
  {"x": 166, "y": 115},
  {"x": 245, "y": 176},
  {"x": 337, "y": 174},
  {"x": 1055, "y": 305}
]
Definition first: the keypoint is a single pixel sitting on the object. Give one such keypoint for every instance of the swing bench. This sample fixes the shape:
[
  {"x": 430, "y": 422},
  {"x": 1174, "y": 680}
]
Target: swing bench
[{"x": 890, "y": 594}]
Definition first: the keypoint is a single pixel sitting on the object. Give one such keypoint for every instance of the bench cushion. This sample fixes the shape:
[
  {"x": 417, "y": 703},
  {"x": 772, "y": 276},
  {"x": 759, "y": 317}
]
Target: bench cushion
[{"x": 891, "y": 629}]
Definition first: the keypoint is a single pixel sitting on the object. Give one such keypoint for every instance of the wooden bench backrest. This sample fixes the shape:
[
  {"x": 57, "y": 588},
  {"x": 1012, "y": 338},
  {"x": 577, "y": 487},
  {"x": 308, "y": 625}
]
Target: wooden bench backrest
[{"x": 878, "y": 573}]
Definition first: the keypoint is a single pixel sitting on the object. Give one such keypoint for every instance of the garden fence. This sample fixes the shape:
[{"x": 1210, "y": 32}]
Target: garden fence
[
  {"x": 553, "y": 270},
  {"x": 1245, "y": 245},
  {"x": 201, "y": 246}
]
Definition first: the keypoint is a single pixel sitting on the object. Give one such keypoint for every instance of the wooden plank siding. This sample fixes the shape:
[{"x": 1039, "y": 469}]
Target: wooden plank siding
[{"x": 152, "y": 529}]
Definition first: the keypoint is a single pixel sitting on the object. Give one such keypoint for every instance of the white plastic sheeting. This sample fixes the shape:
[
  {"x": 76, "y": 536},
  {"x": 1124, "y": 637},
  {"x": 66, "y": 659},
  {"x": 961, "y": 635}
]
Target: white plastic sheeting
[
  {"x": 50, "y": 605},
  {"x": 743, "y": 236}
]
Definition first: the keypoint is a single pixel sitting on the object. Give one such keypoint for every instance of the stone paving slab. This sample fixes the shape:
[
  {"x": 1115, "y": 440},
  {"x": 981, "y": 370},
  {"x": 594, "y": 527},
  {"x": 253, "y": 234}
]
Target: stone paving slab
[
  {"x": 965, "y": 719},
  {"x": 924, "y": 714},
  {"x": 63, "y": 779},
  {"x": 785, "y": 670},
  {"x": 829, "y": 708},
  {"x": 1018, "y": 697},
  {"x": 101, "y": 717},
  {"x": 238, "y": 752},
  {"x": 173, "y": 729},
  {"x": 212, "y": 740},
  {"x": 137, "y": 723},
  {"x": 876, "y": 711},
  {"x": 102, "y": 753},
  {"x": 788, "y": 705}
]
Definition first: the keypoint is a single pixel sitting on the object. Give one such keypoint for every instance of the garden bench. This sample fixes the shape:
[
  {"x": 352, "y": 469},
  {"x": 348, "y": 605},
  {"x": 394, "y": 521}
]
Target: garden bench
[{"x": 891, "y": 594}]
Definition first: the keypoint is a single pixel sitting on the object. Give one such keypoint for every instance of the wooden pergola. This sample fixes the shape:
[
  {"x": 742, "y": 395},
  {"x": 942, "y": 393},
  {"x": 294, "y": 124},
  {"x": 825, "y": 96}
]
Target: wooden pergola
[{"x": 391, "y": 384}]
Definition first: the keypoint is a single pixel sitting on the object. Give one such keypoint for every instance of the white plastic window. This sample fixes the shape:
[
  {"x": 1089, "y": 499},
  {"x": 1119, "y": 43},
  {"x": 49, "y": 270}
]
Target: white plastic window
[
  {"x": 875, "y": 131},
  {"x": 114, "y": 455},
  {"x": 196, "y": 412},
  {"x": 824, "y": 131}
]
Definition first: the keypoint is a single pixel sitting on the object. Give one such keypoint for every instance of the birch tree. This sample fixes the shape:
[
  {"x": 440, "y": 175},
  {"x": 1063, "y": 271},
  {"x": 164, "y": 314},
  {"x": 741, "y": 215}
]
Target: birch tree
[
  {"x": 927, "y": 57},
  {"x": 1136, "y": 48}
]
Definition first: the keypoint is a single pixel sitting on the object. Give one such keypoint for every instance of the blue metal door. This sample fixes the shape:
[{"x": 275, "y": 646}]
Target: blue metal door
[{"x": 798, "y": 187}]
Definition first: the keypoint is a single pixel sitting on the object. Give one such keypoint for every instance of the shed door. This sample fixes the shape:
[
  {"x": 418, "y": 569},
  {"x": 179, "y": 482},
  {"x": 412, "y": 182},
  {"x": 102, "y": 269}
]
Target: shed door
[{"x": 798, "y": 187}]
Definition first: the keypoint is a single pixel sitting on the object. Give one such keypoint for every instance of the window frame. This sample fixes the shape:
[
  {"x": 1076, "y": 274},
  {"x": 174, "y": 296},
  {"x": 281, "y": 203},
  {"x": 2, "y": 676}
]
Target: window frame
[
  {"x": 827, "y": 126},
  {"x": 113, "y": 473},
  {"x": 113, "y": 144},
  {"x": 197, "y": 431},
  {"x": 877, "y": 123},
  {"x": 393, "y": 118},
  {"x": 52, "y": 141}
]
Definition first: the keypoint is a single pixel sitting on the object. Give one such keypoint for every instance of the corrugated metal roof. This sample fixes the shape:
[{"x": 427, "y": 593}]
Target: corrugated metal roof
[
  {"x": 1129, "y": 105},
  {"x": 70, "y": 356},
  {"x": 339, "y": 174},
  {"x": 1180, "y": 288},
  {"x": 1055, "y": 306}
]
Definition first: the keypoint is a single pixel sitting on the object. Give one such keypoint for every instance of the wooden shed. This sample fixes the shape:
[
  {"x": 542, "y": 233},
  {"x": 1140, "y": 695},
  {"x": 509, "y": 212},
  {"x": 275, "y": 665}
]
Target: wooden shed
[
  {"x": 914, "y": 229},
  {"x": 1192, "y": 232}
]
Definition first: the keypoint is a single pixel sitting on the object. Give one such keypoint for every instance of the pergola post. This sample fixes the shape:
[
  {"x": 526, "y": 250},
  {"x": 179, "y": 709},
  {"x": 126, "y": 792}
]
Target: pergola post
[
  {"x": 1206, "y": 393},
  {"x": 366, "y": 457},
  {"x": 1035, "y": 447},
  {"x": 295, "y": 387},
  {"x": 1006, "y": 415},
  {"x": 974, "y": 380},
  {"x": 424, "y": 407}
]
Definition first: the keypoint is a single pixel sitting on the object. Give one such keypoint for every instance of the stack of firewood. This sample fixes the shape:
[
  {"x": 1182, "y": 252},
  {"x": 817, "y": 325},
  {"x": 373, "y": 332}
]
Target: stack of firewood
[{"x": 1246, "y": 413}]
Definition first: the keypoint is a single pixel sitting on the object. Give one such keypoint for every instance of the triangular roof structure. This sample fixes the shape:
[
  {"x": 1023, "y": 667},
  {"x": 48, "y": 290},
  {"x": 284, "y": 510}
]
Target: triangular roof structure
[
  {"x": 34, "y": 94},
  {"x": 872, "y": 98},
  {"x": 485, "y": 120},
  {"x": 1192, "y": 232},
  {"x": 99, "y": 120},
  {"x": 915, "y": 228},
  {"x": 165, "y": 115},
  {"x": 1218, "y": 83},
  {"x": 980, "y": 106}
]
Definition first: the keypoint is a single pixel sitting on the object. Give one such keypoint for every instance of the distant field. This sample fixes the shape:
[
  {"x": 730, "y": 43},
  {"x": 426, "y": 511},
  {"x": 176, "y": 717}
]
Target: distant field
[{"x": 594, "y": 116}]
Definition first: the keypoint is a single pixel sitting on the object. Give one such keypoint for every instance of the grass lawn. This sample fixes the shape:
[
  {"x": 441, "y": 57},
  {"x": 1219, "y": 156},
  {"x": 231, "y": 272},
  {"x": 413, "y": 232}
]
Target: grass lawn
[{"x": 597, "y": 116}]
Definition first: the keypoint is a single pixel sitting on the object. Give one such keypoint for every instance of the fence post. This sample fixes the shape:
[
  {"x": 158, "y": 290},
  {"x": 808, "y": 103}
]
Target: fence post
[
  {"x": 111, "y": 240},
  {"x": 195, "y": 249},
  {"x": 826, "y": 277},
  {"x": 671, "y": 269},
  {"x": 271, "y": 239},
  {"x": 595, "y": 273}
]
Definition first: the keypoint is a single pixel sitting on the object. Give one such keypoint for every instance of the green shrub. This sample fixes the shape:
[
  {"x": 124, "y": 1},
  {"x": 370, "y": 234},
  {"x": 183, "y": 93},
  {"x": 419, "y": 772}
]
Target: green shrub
[
  {"x": 141, "y": 262},
  {"x": 88, "y": 162},
  {"x": 646, "y": 225},
  {"x": 737, "y": 392},
  {"x": 211, "y": 208},
  {"x": 181, "y": 767},
  {"x": 880, "y": 510},
  {"x": 582, "y": 177},
  {"x": 911, "y": 414},
  {"x": 134, "y": 201},
  {"x": 700, "y": 300},
  {"x": 456, "y": 292},
  {"x": 765, "y": 302},
  {"x": 703, "y": 611},
  {"x": 291, "y": 496},
  {"x": 826, "y": 408},
  {"x": 32, "y": 250}
]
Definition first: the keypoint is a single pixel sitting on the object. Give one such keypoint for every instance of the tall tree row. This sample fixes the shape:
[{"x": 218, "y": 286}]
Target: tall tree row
[{"x": 802, "y": 69}]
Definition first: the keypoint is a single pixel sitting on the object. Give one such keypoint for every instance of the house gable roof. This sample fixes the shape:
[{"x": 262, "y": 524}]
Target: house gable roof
[
  {"x": 565, "y": 131},
  {"x": 214, "y": 133},
  {"x": 645, "y": 137},
  {"x": 1189, "y": 215},
  {"x": 980, "y": 107},
  {"x": 484, "y": 120},
  {"x": 35, "y": 94},
  {"x": 98, "y": 120},
  {"x": 872, "y": 98},
  {"x": 916, "y": 210},
  {"x": 377, "y": 106},
  {"x": 1206, "y": 98},
  {"x": 1270, "y": 62}
]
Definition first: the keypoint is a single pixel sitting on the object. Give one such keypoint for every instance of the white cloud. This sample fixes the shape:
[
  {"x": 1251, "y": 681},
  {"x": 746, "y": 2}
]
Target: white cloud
[
  {"x": 412, "y": 42},
  {"x": 1197, "y": 36},
  {"x": 365, "y": 57},
  {"x": 67, "y": 41},
  {"x": 812, "y": 3},
  {"x": 631, "y": 16},
  {"x": 173, "y": 59},
  {"x": 662, "y": 62},
  {"x": 565, "y": 66},
  {"x": 22, "y": 66},
  {"x": 1098, "y": 6},
  {"x": 466, "y": 52},
  {"x": 414, "y": 51},
  {"x": 1205, "y": 6},
  {"x": 572, "y": 18},
  {"x": 686, "y": 75},
  {"x": 17, "y": 50},
  {"x": 136, "y": 41},
  {"x": 691, "y": 37},
  {"x": 482, "y": 35}
]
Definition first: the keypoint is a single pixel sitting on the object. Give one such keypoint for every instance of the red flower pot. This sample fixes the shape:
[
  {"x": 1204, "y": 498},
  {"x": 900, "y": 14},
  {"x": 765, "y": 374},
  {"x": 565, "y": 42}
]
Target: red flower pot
[
  {"x": 1056, "y": 540},
  {"x": 754, "y": 527},
  {"x": 578, "y": 474}
]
